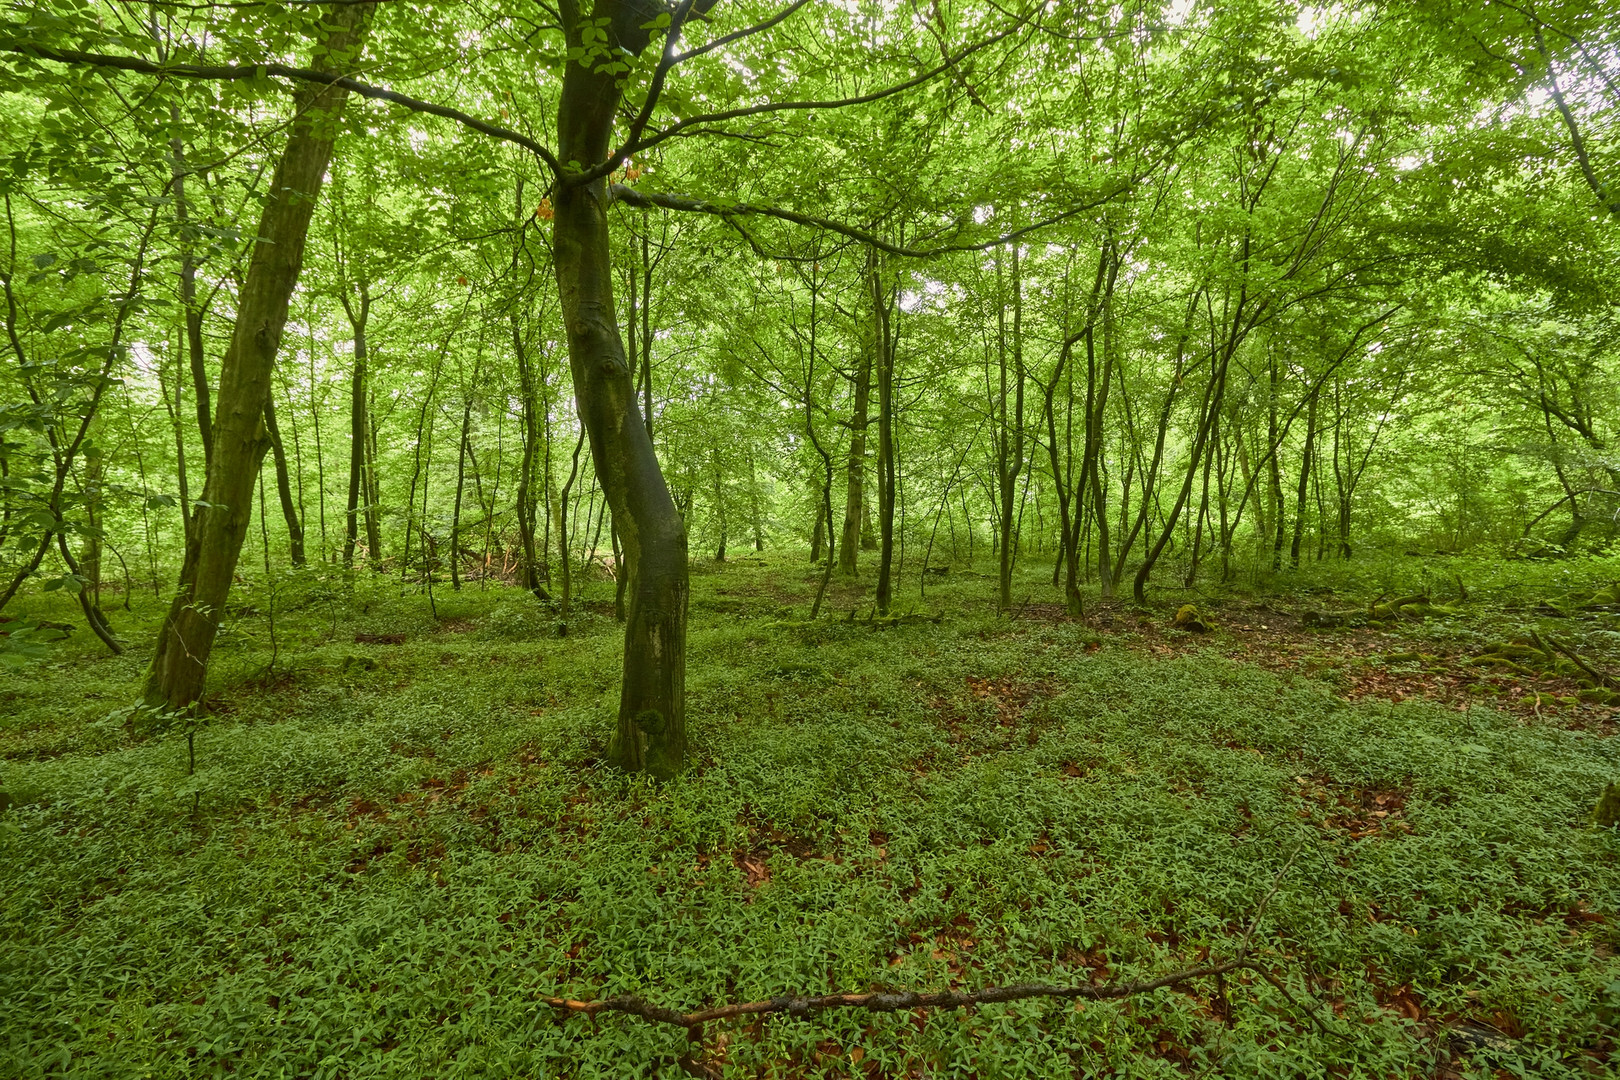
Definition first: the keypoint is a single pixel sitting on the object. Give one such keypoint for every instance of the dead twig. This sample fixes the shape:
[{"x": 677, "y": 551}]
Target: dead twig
[{"x": 1248, "y": 935}]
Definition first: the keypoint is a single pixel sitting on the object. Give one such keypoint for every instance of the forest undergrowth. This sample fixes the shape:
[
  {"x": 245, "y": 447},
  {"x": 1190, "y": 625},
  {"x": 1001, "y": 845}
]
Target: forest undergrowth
[{"x": 393, "y": 836}]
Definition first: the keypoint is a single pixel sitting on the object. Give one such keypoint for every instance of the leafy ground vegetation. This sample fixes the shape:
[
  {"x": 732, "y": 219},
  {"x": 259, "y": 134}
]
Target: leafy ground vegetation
[{"x": 397, "y": 836}]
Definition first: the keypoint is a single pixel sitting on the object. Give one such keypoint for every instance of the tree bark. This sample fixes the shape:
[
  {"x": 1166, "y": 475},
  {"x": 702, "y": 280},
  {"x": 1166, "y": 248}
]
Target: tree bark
[
  {"x": 855, "y": 488},
  {"x": 359, "y": 312},
  {"x": 180, "y": 664},
  {"x": 289, "y": 507},
  {"x": 531, "y": 569},
  {"x": 1306, "y": 461},
  {"x": 882, "y": 299},
  {"x": 1010, "y": 434},
  {"x": 651, "y": 731}
]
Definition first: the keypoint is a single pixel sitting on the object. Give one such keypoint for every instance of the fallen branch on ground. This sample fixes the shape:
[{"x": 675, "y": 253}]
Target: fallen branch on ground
[
  {"x": 895, "y": 1001},
  {"x": 905, "y": 1000},
  {"x": 1598, "y": 677}
]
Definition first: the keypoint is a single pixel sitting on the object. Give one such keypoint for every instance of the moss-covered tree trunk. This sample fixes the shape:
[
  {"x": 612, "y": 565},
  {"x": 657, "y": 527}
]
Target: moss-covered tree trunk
[
  {"x": 240, "y": 439},
  {"x": 651, "y": 733}
]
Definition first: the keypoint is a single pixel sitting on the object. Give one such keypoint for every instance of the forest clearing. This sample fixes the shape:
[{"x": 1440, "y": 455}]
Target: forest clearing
[{"x": 809, "y": 538}]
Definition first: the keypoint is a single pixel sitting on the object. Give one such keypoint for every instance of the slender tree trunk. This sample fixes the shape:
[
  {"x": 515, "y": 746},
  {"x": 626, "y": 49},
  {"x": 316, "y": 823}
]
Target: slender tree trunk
[
  {"x": 320, "y": 462},
  {"x": 186, "y": 639},
  {"x": 757, "y": 518},
  {"x": 855, "y": 489},
  {"x": 563, "y": 552},
  {"x": 530, "y": 573},
  {"x": 1305, "y": 464},
  {"x": 881, "y": 305},
  {"x": 1096, "y": 460},
  {"x": 463, "y": 449},
  {"x": 179, "y": 429},
  {"x": 90, "y": 560},
  {"x": 720, "y": 509},
  {"x": 289, "y": 508},
  {"x": 359, "y": 312},
  {"x": 373, "y": 489},
  {"x": 1010, "y": 436},
  {"x": 196, "y": 354},
  {"x": 1278, "y": 507},
  {"x": 823, "y": 484},
  {"x": 819, "y": 532}
]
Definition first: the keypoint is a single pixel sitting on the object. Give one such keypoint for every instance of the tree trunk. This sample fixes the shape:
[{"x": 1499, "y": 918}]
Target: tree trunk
[
  {"x": 180, "y": 664},
  {"x": 719, "y": 509},
  {"x": 320, "y": 461},
  {"x": 819, "y": 533},
  {"x": 1010, "y": 436},
  {"x": 881, "y": 300},
  {"x": 289, "y": 508},
  {"x": 90, "y": 559},
  {"x": 1274, "y": 470},
  {"x": 195, "y": 353},
  {"x": 565, "y": 609},
  {"x": 359, "y": 313},
  {"x": 530, "y": 570},
  {"x": 651, "y": 731},
  {"x": 755, "y": 511},
  {"x": 855, "y": 491},
  {"x": 1304, "y": 481},
  {"x": 461, "y": 484},
  {"x": 372, "y": 488}
]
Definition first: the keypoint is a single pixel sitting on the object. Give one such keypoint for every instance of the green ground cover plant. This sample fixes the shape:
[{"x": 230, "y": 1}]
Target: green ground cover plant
[{"x": 388, "y": 855}]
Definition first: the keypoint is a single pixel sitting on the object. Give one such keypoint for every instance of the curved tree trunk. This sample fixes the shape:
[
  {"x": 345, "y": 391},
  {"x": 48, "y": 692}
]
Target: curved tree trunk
[
  {"x": 651, "y": 733},
  {"x": 180, "y": 663}
]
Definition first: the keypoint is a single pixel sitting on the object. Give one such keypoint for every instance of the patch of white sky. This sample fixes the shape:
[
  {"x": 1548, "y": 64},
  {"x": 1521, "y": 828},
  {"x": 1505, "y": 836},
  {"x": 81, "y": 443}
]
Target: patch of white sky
[
  {"x": 1314, "y": 19},
  {"x": 933, "y": 294}
]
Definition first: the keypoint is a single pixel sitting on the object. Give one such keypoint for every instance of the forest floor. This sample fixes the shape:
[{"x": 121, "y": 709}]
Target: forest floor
[{"x": 399, "y": 839}]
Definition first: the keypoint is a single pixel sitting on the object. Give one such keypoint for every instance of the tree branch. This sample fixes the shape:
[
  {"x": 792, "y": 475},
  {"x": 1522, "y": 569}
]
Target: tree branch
[
  {"x": 637, "y": 145},
  {"x": 688, "y": 204},
  {"x": 890, "y": 1001},
  {"x": 233, "y": 72},
  {"x": 738, "y": 35},
  {"x": 1598, "y": 187}
]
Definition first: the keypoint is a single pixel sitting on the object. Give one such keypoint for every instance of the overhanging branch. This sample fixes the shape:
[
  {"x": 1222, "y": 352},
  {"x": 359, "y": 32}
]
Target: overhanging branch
[
  {"x": 687, "y": 204},
  {"x": 636, "y": 145},
  {"x": 236, "y": 72}
]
